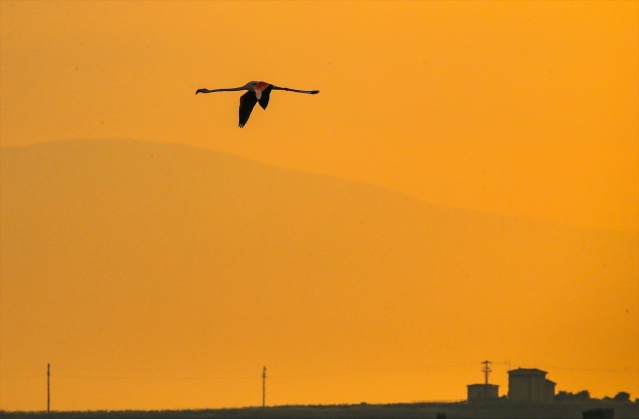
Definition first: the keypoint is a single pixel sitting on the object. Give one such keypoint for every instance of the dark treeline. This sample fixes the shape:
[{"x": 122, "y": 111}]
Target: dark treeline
[{"x": 583, "y": 395}]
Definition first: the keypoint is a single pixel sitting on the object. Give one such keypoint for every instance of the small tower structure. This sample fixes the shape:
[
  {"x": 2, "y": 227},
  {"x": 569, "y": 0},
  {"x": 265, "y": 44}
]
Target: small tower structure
[
  {"x": 483, "y": 392},
  {"x": 486, "y": 370}
]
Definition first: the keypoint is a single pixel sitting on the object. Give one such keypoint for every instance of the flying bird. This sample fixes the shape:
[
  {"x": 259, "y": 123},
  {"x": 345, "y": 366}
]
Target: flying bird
[{"x": 258, "y": 91}]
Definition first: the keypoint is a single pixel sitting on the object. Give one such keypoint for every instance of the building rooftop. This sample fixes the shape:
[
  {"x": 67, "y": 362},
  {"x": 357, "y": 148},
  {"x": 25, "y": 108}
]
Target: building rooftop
[{"x": 527, "y": 371}]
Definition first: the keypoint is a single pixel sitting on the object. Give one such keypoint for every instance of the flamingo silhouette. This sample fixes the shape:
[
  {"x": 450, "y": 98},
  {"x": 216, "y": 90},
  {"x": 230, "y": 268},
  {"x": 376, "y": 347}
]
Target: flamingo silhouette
[{"x": 258, "y": 91}]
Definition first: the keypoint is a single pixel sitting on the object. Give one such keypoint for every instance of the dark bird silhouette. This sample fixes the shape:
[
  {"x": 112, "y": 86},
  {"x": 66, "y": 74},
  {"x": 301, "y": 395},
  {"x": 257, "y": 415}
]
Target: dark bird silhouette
[{"x": 258, "y": 92}]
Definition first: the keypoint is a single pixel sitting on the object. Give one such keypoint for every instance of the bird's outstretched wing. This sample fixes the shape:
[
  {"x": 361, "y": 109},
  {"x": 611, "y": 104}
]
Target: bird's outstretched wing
[
  {"x": 266, "y": 93},
  {"x": 247, "y": 103}
]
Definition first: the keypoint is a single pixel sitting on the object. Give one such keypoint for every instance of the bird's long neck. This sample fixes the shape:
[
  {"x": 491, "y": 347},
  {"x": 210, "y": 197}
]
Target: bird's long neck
[
  {"x": 308, "y": 92},
  {"x": 230, "y": 89}
]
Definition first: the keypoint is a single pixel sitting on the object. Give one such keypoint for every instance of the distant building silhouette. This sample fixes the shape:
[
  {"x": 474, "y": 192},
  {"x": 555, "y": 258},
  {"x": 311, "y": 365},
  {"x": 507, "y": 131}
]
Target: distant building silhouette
[
  {"x": 482, "y": 392},
  {"x": 530, "y": 385}
]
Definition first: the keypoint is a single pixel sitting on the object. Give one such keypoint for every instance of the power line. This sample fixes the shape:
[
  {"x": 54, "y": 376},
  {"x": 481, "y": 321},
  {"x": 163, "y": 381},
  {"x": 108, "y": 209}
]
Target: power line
[
  {"x": 573, "y": 368},
  {"x": 73, "y": 373},
  {"x": 629, "y": 371},
  {"x": 154, "y": 377}
]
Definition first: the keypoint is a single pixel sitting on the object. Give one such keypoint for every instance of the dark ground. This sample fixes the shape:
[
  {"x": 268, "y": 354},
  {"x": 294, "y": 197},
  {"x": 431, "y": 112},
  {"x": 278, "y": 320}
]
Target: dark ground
[{"x": 499, "y": 410}]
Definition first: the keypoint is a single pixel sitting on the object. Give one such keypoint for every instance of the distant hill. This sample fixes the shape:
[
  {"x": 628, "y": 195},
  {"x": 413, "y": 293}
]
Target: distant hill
[{"x": 145, "y": 254}]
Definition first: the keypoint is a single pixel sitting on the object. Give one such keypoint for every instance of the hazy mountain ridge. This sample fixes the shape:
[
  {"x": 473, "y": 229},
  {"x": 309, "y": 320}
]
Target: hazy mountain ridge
[{"x": 202, "y": 250}]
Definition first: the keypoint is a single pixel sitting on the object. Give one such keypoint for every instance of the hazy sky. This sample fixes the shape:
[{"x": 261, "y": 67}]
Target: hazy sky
[{"x": 519, "y": 108}]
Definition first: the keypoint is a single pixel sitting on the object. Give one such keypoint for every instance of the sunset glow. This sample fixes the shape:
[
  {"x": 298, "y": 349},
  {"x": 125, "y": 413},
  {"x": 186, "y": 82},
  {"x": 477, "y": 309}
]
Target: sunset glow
[{"x": 465, "y": 187}]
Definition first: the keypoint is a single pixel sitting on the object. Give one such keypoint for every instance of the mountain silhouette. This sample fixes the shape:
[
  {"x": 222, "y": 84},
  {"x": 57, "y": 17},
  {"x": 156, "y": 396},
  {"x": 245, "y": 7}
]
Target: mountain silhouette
[{"x": 144, "y": 253}]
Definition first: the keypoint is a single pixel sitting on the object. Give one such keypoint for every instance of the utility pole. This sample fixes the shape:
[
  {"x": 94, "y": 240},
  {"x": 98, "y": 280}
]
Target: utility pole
[
  {"x": 264, "y": 387},
  {"x": 486, "y": 370},
  {"x": 48, "y": 388}
]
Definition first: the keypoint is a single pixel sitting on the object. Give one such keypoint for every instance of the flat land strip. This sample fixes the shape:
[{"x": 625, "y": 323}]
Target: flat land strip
[{"x": 502, "y": 410}]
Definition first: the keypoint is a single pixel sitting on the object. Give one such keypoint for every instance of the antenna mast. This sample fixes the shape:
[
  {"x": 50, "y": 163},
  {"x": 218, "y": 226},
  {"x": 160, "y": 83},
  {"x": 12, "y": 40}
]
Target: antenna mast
[{"x": 486, "y": 370}]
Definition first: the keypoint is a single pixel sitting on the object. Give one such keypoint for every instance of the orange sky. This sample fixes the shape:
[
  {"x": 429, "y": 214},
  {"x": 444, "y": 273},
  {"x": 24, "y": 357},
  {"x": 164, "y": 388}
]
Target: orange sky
[
  {"x": 521, "y": 108},
  {"x": 524, "y": 109}
]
